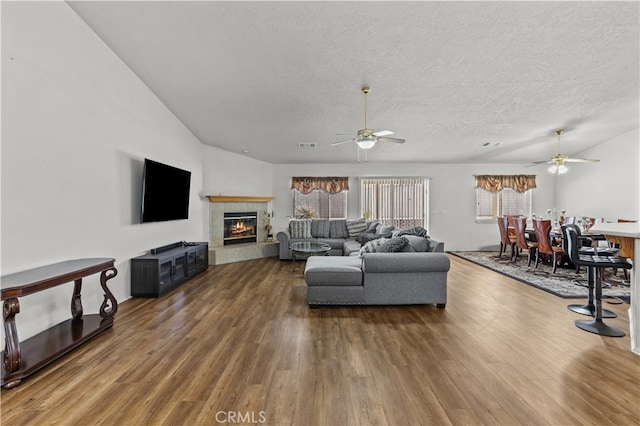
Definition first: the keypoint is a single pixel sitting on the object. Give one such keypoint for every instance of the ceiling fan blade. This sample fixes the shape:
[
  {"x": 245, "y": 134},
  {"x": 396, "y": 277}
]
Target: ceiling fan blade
[
  {"x": 341, "y": 142},
  {"x": 394, "y": 140},
  {"x": 381, "y": 133},
  {"x": 533, "y": 163},
  {"x": 580, "y": 160}
]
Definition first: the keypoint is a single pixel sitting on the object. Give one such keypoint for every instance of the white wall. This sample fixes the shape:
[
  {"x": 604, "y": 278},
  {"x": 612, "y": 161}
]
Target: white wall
[
  {"x": 227, "y": 173},
  {"x": 76, "y": 126},
  {"x": 452, "y": 198},
  {"x": 610, "y": 188}
]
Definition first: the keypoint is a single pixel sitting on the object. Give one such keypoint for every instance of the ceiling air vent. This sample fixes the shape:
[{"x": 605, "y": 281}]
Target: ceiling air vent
[{"x": 306, "y": 145}]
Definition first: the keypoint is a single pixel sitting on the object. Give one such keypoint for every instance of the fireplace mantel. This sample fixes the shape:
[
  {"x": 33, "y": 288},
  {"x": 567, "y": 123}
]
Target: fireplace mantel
[
  {"x": 237, "y": 199},
  {"x": 219, "y": 206}
]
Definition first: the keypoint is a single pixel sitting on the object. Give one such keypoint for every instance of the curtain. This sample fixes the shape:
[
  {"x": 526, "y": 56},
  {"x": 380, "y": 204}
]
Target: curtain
[
  {"x": 331, "y": 184},
  {"x": 395, "y": 201},
  {"x": 496, "y": 183}
]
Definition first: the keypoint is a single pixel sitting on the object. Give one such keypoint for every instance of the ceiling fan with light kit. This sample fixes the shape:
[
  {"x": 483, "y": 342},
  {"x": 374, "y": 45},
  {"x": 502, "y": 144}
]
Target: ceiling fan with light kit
[
  {"x": 558, "y": 160},
  {"x": 367, "y": 138}
]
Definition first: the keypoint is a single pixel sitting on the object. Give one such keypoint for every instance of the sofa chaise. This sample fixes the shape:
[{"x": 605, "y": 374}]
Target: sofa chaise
[{"x": 401, "y": 278}]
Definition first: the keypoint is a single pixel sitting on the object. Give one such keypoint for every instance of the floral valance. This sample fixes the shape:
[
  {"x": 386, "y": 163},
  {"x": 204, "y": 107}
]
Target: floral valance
[
  {"x": 495, "y": 183},
  {"x": 331, "y": 184}
]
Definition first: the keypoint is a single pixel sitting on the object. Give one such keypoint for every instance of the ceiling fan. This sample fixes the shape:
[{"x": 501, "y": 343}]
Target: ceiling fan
[
  {"x": 367, "y": 138},
  {"x": 558, "y": 160}
]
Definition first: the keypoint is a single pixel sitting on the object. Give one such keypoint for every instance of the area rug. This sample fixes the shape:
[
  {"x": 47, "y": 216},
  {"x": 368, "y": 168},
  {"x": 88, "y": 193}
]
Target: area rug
[{"x": 564, "y": 283}]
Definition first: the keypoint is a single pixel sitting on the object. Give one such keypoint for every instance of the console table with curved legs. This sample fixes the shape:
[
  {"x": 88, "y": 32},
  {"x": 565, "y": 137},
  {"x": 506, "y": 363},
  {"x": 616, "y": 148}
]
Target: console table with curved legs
[{"x": 20, "y": 359}]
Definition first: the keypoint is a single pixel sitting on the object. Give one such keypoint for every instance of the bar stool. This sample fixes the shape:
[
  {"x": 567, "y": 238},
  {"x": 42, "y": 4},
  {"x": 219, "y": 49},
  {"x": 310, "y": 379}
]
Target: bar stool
[
  {"x": 595, "y": 263},
  {"x": 590, "y": 249},
  {"x": 590, "y": 308}
]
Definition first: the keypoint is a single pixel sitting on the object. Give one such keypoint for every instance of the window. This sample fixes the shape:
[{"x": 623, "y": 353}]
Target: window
[
  {"x": 320, "y": 197},
  {"x": 499, "y": 195},
  {"x": 402, "y": 202},
  {"x": 320, "y": 204},
  {"x": 490, "y": 205}
]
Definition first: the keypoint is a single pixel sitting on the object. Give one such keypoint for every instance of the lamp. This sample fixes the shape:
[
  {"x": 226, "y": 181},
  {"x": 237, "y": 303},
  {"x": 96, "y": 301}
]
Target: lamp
[
  {"x": 366, "y": 141},
  {"x": 559, "y": 169}
]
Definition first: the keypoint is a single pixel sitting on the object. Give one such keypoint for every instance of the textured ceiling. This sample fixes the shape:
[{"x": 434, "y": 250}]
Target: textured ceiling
[{"x": 446, "y": 76}]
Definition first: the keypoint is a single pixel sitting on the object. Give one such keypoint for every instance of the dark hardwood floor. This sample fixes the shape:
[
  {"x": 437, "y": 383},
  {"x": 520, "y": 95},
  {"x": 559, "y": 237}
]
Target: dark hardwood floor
[{"x": 239, "y": 345}]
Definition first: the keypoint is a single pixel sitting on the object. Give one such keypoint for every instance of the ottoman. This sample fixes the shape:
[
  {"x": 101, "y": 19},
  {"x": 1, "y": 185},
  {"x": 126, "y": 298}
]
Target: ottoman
[{"x": 333, "y": 280}]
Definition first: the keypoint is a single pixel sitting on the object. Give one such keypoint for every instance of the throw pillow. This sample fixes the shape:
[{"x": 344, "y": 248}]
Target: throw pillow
[
  {"x": 408, "y": 249},
  {"x": 320, "y": 228},
  {"x": 338, "y": 229},
  {"x": 372, "y": 225},
  {"x": 418, "y": 231},
  {"x": 365, "y": 237},
  {"x": 418, "y": 243},
  {"x": 393, "y": 245},
  {"x": 356, "y": 227},
  {"x": 300, "y": 229},
  {"x": 372, "y": 246},
  {"x": 383, "y": 229}
]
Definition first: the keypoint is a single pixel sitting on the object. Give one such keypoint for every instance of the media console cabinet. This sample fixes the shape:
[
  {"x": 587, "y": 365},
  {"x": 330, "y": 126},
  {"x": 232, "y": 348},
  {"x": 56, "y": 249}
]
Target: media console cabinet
[
  {"x": 20, "y": 359},
  {"x": 165, "y": 268}
]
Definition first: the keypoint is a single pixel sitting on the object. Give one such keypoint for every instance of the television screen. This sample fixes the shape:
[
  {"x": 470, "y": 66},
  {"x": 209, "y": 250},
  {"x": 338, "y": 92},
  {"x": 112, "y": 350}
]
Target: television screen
[{"x": 165, "y": 192}]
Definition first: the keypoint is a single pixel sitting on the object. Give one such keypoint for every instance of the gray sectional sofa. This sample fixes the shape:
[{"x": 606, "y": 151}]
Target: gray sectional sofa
[
  {"x": 388, "y": 267},
  {"x": 335, "y": 232},
  {"x": 331, "y": 231},
  {"x": 378, "y": 279}
]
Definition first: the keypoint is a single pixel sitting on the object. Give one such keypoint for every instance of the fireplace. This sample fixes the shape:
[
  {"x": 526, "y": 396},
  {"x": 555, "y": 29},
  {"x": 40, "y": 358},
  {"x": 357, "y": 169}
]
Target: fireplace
[{"x": 240, "y": 227}]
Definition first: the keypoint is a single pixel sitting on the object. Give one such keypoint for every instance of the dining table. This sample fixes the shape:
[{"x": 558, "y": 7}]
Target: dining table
[{"x": 630, "y": 230}]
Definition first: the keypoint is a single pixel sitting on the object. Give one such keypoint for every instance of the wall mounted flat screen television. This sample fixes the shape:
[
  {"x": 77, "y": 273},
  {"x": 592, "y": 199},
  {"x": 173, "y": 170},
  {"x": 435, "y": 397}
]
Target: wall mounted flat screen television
[{"x": 165, "y": 192}]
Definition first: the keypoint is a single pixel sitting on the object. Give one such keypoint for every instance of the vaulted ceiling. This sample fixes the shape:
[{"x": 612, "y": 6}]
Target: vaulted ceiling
[{"x": 259, "y": 78}]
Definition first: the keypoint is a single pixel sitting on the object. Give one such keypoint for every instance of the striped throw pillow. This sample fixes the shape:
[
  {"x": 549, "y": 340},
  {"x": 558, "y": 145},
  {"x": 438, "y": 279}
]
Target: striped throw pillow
[
  {"x": 356, "y": 227},
  {"x": 300, "y": 229}
]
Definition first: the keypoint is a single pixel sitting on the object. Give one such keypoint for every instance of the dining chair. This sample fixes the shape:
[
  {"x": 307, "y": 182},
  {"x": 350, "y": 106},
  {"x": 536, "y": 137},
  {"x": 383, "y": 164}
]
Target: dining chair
[
  {"x": 511, "y": 225},
  {"x": 505, "y": 240},
  {"x": 542, "y": 227},
  {"x": 625, "y": 244},
  {"x": 521, "y": 240}
]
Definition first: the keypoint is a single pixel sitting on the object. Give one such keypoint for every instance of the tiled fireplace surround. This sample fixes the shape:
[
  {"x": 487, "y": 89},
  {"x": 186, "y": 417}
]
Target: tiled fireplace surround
[{"x": 218, "y": 252}]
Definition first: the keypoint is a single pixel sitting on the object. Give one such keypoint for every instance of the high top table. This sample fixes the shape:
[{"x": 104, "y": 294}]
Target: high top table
[{"x": 629, "y": 230}]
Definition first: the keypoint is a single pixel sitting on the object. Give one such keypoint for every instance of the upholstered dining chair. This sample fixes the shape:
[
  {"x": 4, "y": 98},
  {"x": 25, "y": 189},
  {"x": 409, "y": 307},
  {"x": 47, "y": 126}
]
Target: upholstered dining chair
[
  {"x": 625, "y": 244},
  {"x": 511, "y": 224},
  {"x": 505, "y": 240},
  {"x": 521, "y": 240},
  {"x": 542, "y": 227}
]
